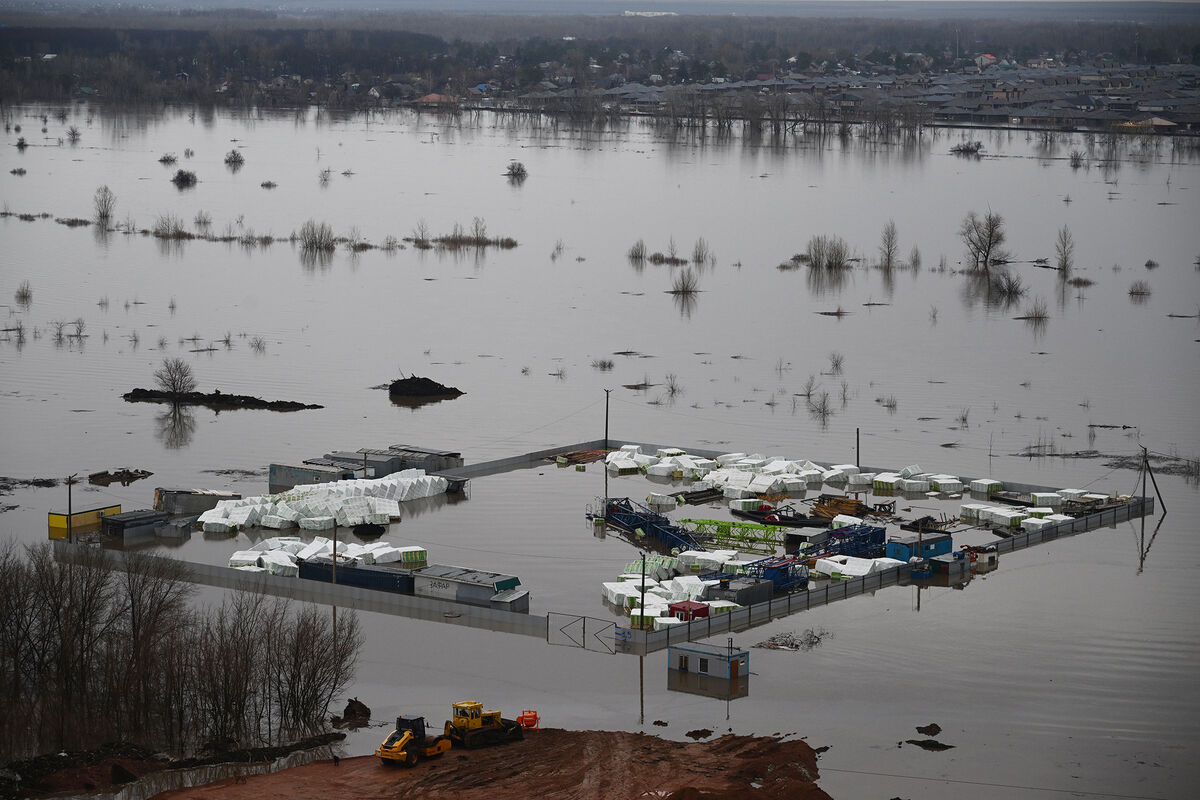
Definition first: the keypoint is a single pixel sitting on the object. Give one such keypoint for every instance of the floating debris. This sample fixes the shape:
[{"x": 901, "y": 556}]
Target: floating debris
[{"x": 797, "y": 642}]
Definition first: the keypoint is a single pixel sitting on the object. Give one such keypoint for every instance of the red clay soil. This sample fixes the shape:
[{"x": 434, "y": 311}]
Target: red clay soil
[{"x": 552, "y": 763}]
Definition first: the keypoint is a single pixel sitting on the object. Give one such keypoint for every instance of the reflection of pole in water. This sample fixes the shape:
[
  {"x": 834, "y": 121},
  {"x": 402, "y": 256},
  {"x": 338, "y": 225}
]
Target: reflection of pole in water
[{"x": 642, "y": 690}]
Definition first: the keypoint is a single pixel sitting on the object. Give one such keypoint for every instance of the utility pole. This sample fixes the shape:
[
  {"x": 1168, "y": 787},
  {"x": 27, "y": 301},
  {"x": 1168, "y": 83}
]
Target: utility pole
[
  {"x": 70, "y": 483},
  {"x": 607, "y": 392}
]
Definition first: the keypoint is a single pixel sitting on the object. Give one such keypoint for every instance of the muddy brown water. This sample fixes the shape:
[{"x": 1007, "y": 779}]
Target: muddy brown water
[{"x": 1068, "y": 669}]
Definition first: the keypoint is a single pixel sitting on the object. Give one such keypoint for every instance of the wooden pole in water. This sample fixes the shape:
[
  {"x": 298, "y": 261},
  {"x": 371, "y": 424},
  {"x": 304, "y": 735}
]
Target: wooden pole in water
[
  {"x": 70, "y": 483},
  {"x": 607, "y": 392}
]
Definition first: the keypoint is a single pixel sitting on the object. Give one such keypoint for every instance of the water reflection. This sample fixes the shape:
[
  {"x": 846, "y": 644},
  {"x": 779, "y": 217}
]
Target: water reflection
[
  {"x": 826, "y": 281},
  {"x": 685, "y": 303},
  {"x": 176, "y": 426}
]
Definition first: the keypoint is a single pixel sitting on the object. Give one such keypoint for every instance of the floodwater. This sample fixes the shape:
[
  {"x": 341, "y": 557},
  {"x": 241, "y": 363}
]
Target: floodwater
[{"x": 1070, "y": 669}]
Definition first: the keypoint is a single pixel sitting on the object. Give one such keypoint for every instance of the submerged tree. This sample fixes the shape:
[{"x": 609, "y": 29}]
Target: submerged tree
[
  {"x": 104, "y": 202},
  {"x": 1064, "y": 248},
  {"x": 984, "y": 239},
  {"x": 889, "y": 245},
  {"x": 175, "y": 377}
]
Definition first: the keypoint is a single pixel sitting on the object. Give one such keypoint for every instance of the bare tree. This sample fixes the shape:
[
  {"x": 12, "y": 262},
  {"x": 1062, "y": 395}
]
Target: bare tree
[
  {"x": 1064, "y": 248},
  {"x": 984, "y": 239},
  {"x": 104, "y": 202},
  {"x": 889, "y": 245},
  {"x": 175, "y": 377}
]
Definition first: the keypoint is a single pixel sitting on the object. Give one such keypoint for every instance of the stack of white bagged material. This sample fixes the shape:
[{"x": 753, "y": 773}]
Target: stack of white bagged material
[
  {"x": 844, "y": 521},
  {"x": 278, "y": 562},
  {"x": 946, "y": 483},
  {"x": 244, "y": 558},
  {"x": 319, "y": 546},
  {"x": 913, "y": 485},
  {"x": 986, "y": 486},
  {"x": 833, "y": 476},
  {"x": 317, "y": 523},
  {"x": 1051, "y": 499},
  {"x": 862, "y": 479}
]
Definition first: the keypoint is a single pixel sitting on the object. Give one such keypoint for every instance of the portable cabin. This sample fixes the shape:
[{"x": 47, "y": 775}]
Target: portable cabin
[
  {"x": 414, "y": 457},
  {"x": 83, "y": 520},
  {"x": 951, "y": 565},
  {"x": 511, "y": 600},
  {"x": 190, "y": 501},
  {"x": 726, "y": 663},
  {"x": 286, "y": 476},
  {"x": 132, "y": 524},
  {"x": 471, "y": 586},
  {"x": 926, "y": 545},
  {"x": 688, "y": 610},
  {"x": 384, "y": 577},
  {"x": 743, "y": 591}
]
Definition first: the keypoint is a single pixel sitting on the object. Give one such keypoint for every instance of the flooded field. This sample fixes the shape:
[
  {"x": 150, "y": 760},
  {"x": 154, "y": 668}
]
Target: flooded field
[{"x": 1070, "y": 669}]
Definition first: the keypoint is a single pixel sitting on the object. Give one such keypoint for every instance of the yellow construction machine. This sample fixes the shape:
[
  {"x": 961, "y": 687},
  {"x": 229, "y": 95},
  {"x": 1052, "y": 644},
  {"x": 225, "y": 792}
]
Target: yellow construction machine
[
  {"x": 471, "y": 726},
  {"x": 408, "y": 743}
]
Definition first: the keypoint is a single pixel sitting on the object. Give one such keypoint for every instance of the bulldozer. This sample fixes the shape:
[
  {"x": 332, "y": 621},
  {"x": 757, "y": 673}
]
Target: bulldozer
[
  {"x": 470, "y": 726},
  {"x": 408, "y": 743}
]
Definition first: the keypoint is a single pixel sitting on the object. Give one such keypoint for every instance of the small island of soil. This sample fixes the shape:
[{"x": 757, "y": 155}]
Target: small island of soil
[
  {"x": 416, "y": 386},
  {"x": 217, "y": 401}
]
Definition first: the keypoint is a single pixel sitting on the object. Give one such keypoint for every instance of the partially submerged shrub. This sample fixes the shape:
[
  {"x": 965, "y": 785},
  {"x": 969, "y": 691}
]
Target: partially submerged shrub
[
  {"x": 169, "y": 226},
  {"x": 234, "y": 158},
  {"x": 24, "y": 294},
  {"x": 167, "y": 159},
  {"x": 638, "y": 251},
  {"x": 516, "y": 171},
  {"x": 317, "y": 237},
  {"x": 685, "y": 283},
  {"x": 1139, "y": 289},
  {"x": 602, "y": 364},
  {"x": 184, "y": 178},
  {"x": 828, "y": 253}
]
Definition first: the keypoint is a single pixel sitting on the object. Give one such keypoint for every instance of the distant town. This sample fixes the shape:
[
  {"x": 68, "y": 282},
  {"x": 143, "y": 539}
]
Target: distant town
[{"x": 1149, "y": 83}]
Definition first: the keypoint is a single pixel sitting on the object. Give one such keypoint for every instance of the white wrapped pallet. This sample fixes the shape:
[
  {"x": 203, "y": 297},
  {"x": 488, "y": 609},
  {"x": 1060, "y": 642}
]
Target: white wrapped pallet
[
  {"x": 644, "y": 460},
  {"x": 745, "y": 504},
  {"x": 383, "y": 505},
  {"x": 244, "y": 558},
  {"x": 833, "y": 476},
  {"x": 736, "y": 492},
  {"x": 1009, "y": 518},
  {"x": 946, "y": 483},
  {"x": 704, "y": 463},
  {"x": 317, "y": 523},
  {"x": 885, "y": 481},
  {"x": 810, "y": 475},
  {"x": 913, "y": 485},
  {"x": 1051, "y": 499},
  {"x": 661, "y": 470},
  {"x": 766, "y": 484},
  {"x": 986, "y": 486},
  {"x": 660, "y": 500},
  {"x": 631, "y": 449},
  {"x": 844, "y": 521},
  {"x": 688, "y": 560},
  {"x": 793, "y": 484},
  {"x": 250, "y": 568},
  {"x": 276, "y": 523},
  {"x": 1071, "y": 494},
  {"x": 219, "y": 526},
  {"x": 318, "y": 546},
  {"x": 848, "y": 469},
  {"x": 910, "y": 470},
  {"x": 211, "y": 515},
  {"x": 664, "y": 452},
  {"x": 730, "y": 458},
  {"x": 1035, "y": 524},
  {"x": 970, "y": 511},
  {"x": 285, "y": 512},
  {"x": 1040, "y": 512},
  {"x": 721, "y": 606},
  {"x": 623, "y": 466},
  {"x": 279, "y": 563},
  {"x": 240, "y": 517},
  {"x": 1096, "y": 497},
  {"x": 777, "y": 467},
  {"x": 667, "y": 622},
  {"x": 862, "y": 479}
]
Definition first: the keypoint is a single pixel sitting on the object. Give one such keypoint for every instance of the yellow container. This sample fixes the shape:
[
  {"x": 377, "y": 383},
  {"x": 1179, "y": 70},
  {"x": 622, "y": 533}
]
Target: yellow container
[{"x": 84, "y": 520}]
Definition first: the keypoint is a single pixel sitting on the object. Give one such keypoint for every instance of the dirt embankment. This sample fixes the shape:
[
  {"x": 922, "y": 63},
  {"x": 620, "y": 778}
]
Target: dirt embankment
[
  {"x": 551, "y": 763},
  {"x": 215, "y": 400}
]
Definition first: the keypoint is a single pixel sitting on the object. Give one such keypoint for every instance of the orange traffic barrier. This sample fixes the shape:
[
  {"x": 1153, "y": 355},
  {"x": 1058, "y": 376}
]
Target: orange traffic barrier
[{"x": 529, "y": 720}]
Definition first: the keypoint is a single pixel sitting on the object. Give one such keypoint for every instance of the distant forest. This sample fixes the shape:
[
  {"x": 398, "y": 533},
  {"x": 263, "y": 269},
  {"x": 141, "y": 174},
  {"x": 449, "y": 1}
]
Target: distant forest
[{"x": 183, "y": 56}]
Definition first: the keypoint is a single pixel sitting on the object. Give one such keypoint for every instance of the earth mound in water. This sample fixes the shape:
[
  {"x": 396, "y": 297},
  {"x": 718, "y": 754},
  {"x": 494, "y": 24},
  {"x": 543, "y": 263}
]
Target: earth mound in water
[{"x": 416, "y": 386}]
